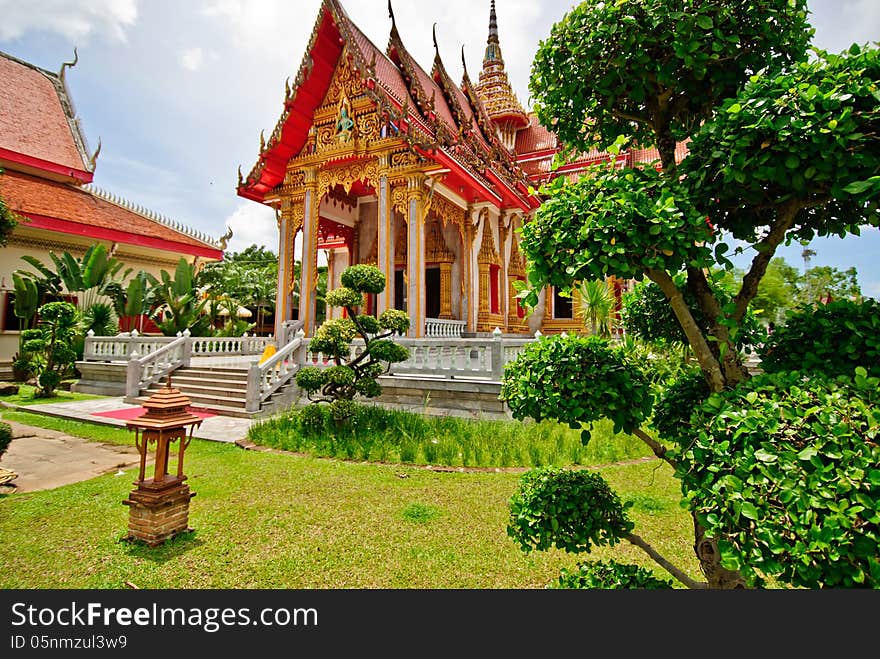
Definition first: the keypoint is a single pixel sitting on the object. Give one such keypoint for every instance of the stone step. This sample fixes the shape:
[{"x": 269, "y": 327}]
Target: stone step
[
  {"x": 220, "y": 410},
  {"x": 205, "y": 400},
  {"x": 225, "y": 375},
  {"x": 208, "y": 388}
]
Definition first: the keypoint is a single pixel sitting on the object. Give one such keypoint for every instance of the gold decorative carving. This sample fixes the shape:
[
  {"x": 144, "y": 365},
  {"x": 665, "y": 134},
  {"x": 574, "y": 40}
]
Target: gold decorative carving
[
  {"x": 346, "y": 82},
  {"x": 436, "y": 250},
  {"x": 448, "y": 211},
  {"x": 347, "y": 175},
  {"x": 488, "y": 252},
  {"x": 399, "y": 200}
]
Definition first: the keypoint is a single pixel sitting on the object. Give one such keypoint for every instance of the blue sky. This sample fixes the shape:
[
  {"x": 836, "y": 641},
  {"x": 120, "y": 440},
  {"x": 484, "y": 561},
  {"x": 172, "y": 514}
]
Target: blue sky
[{"x": 179, "y": 91}]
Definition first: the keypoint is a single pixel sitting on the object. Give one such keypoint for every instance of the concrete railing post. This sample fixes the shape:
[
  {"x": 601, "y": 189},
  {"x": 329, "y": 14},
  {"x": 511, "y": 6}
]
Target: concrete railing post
[
  {"x": 252, "y": 398},
  {"x": 133, "y": 376},
  {"x": 187, "y": 350},
  {"x": 497, "y": 355}
]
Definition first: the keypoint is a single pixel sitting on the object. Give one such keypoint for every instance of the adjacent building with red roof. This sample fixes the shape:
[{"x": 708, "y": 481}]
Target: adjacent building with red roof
[{"x": 47, "y": 179}]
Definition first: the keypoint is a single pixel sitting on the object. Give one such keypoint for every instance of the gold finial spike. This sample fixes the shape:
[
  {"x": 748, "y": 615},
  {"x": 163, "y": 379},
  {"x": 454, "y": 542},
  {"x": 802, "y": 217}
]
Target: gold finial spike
[{"x": 391, "y": 14}]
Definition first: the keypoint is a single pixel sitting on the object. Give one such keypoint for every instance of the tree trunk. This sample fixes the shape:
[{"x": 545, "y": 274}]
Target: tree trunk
[{"x": 707, "y": 553}]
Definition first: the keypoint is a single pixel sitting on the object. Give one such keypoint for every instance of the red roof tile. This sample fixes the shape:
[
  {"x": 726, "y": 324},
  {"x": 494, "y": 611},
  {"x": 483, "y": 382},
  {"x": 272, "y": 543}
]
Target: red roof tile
[
  {"x": 33, "y": 120},
  {"x": 28, "y": 195}
]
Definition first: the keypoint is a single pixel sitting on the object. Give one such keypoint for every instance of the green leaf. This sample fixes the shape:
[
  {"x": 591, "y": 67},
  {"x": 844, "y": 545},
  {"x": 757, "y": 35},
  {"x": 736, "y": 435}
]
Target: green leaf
[
  {"x": 749, "y": 511},
  {"x": 807, "y": 454},
  {"x": 764, "y": 456},
  {"x": 705, "y": 22},
  {"x": 736, "y": 108}
]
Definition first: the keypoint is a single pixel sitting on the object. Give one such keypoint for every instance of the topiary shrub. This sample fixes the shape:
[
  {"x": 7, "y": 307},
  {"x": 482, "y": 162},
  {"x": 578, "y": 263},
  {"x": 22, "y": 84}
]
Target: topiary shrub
[
  {"x": 5, "y": 437},
  {"x": 546, "y": 381},
  {"x": 572, "y": 510},
  {"x": 784, "y": 471},
  {"x": 831, "y": 338},
  {"x": 50, "y": 346},
  {"x": 609, "y": 575},
  {"x": 349, "y": 377}
]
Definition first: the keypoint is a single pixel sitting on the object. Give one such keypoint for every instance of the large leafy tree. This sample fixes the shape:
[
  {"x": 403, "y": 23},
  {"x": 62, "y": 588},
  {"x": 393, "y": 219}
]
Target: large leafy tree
[
  {"x": 248, "y": 278},
  {"x": 8, "y": 220},
  {"x": 782, "y": 147}
]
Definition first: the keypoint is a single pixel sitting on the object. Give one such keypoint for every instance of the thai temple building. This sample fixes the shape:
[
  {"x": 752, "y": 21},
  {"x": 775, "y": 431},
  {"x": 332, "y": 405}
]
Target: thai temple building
[{"x": 377, "y": 160}]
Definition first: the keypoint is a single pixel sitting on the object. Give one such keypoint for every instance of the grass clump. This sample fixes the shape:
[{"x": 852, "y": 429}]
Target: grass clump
[{"x": 377, "y": 434}]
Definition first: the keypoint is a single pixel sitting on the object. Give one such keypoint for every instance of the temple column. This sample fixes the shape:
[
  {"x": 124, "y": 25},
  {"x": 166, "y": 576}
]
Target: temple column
[
  {"x": 415, "y": 261},
  {"x": 283, "y": 305},
  {"x": 309, "y": 262},
  {"x": 385, "y": 244},
  {"x": 503, "y": 292},
  {"x": 289, "y": 220},
  {"x": 468, "y": 295}
]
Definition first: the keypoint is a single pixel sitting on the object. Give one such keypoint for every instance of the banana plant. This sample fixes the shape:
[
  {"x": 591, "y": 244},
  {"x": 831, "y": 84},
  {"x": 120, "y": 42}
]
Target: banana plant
[
  {"x": 135, "y": 299},
  {"x": 181, "y": 305},
  {"x": 90, "y": 275}
]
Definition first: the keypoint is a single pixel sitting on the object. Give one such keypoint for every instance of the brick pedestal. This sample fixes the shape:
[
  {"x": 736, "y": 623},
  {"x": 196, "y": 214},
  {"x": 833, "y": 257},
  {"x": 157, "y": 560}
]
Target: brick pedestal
[{"x": 158, "y": 515}]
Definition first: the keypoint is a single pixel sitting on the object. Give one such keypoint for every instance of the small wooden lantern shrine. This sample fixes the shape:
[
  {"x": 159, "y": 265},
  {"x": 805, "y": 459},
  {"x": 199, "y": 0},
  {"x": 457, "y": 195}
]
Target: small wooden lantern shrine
[{"x": 159, "y": 506}]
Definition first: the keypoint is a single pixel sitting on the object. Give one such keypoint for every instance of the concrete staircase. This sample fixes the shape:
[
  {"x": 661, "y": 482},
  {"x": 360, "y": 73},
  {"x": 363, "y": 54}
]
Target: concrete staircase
[{"x": 217, "y": 390}]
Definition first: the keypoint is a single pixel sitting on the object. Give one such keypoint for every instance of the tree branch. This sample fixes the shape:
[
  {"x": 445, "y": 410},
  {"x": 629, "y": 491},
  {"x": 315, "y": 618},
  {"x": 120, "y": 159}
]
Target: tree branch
[
  {"x": 749, "y": 288},
  {"x": 659, "y": 450},
  {"x": 666, "y": 565},
  {"x": 708, "y": 363}
]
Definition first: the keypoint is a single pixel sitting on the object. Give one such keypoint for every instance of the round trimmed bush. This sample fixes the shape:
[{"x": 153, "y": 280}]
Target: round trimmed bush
[
  {"x": 609, "y": 575},
  {"x": 363, "y": 279}
]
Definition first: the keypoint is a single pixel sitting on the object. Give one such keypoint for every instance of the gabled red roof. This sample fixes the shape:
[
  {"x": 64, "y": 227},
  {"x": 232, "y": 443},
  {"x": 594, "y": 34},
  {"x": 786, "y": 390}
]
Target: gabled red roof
[
  {"x": 71, "y": 209},
  {"x": 38, "y": 127},
  {"x": 395, "y": 81}
]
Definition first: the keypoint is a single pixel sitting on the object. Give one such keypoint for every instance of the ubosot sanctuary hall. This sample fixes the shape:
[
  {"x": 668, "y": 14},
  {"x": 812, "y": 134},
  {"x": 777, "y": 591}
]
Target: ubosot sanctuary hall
[{"x": 375, "y": 160}]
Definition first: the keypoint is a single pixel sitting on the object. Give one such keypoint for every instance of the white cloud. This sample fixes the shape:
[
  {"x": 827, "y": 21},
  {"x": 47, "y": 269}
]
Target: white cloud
[
  {"x": 192, "y": 59},
  {"x": 77, "y": 20},
  {"x": 252, "y": 224}
]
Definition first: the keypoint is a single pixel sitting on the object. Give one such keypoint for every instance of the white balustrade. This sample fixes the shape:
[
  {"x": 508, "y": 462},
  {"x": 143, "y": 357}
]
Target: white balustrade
[{"x": 438, "y": 328}]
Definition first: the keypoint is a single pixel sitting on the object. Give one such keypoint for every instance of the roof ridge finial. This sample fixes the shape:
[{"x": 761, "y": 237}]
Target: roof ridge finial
[
  {"x": 94, "y": 159},
  {"x": 68, "y": 65},
  {"x": 434, "y": 34},
  {"x": 391, "y": 14}
]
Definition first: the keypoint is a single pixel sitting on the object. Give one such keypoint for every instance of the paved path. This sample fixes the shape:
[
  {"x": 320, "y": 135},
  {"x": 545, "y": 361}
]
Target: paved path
[
  {"x": 45, "y": 459},
  {"x": 215, "y": 428}
]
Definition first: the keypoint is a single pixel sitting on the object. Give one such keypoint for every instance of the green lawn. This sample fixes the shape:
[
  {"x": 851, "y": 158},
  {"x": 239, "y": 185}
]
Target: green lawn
[
  {"x": 25, "y": 396},
  {"x": 277, "y": 520}
]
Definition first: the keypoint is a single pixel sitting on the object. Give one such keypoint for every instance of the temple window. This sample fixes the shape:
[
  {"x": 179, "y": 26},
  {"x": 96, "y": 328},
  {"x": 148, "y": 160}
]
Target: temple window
[
  {"x": 494, "y": 298},
  {"x": 432, "y": 292},
  {"x": 562, "y": 307}
]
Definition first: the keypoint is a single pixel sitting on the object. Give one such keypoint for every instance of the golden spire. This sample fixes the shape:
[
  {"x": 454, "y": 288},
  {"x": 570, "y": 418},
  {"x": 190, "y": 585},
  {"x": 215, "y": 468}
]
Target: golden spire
[{"x": 494, "y": 89}]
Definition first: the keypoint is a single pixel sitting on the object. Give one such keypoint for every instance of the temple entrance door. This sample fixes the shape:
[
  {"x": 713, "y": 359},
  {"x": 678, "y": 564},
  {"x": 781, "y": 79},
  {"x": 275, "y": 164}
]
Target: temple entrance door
[
  {"x": 432, "y": 292},
  {"x": 399, "y": 290}
]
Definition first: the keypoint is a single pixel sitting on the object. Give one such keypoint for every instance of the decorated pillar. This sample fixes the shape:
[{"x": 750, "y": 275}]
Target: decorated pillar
[
  {"x": 489, "y": 272},
  {"x": 309, "y": 262},
  {"x": 467, "y": 278},
  {"x": 515, "y": 271},
  {"x": 290, "y": 220},
  {"x": 385, "y": 240},
  {"x": 415, "y": 262},
  {"x": 504, "y": 225}
]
